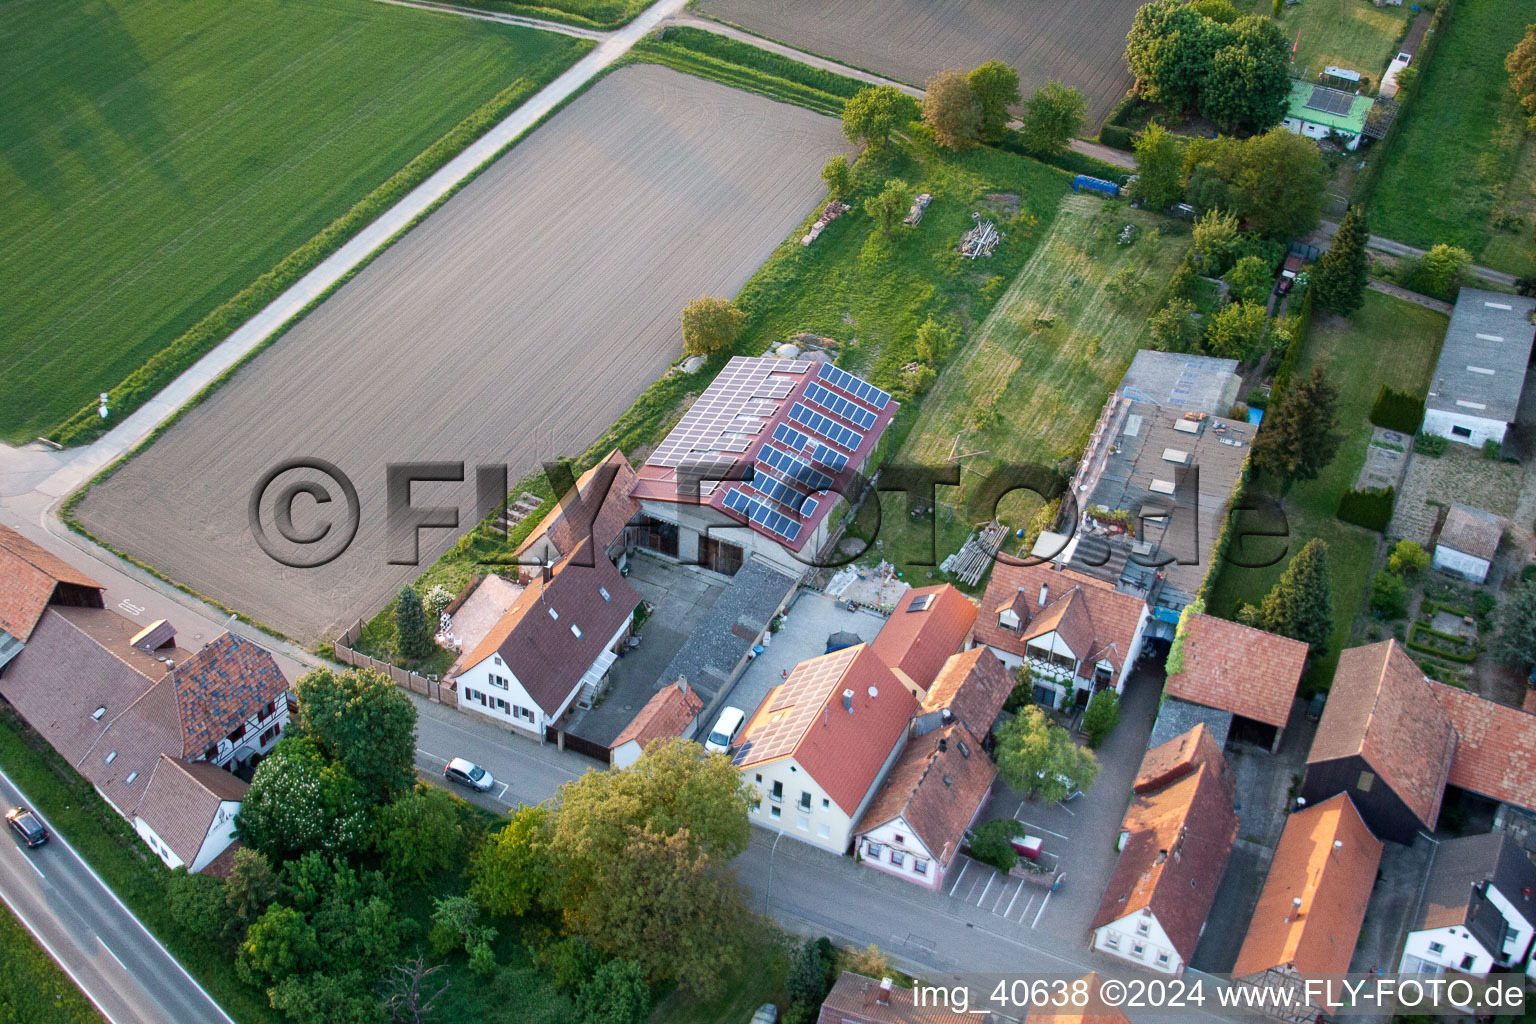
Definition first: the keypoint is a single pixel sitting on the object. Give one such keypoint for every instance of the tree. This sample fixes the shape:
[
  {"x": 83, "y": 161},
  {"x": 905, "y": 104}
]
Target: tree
[
  {"x": 1239, "y": 331},
  {"x": 1171, "y": 49},
  {"x": 933, "y": 341},
  {"x": 512, "y": 868},
  {"x": 456, "y": 922},
  {"x": 1101, "y": 717},
  {"x": 869, "y": 961},
  {"x": 806, "y": 982},
  {"x": 1439, "y": 271},
  {"x": 1250, "y": 79},
  {"x": 996, "y": 86},
  {"x": 838, "y": 177},
  {"x": 197, "y": 903},
  {"x": 1220, "y": 11},
  {"x": 952, "y": 110},
  {"x": 990, "y": 843},
  {"x": 250, "y": 888},
  {"x": 363, "y": 721},
  {"x": 1040, "y": 759},
  {"x": 300, "y": 801},
  {"x": 1300, "y": 437},
  {"x": 323, "y": 998},
  {"x": 1389, "y": 595},
  {"x": 871, "y": 114},
  {"x": 1273, "y": 182},
  {"x": 1516, "y": 644},
  {"x": 1251, "y": 280},
  {"x": 1159, "y": 168},
  {"x": 710, "y": 324},
  {"x": 1340, "y": 279},
  {"x": 1300, "y": 605},
  {"x": 409, "y": 991},
  {"x": 280, "y": 944},
  {"x": 616, "y": 993},
  {"x": 1215, "y": 236},
  {"x": 1521, "y": 65},
  {"x": 411, "y": 625},
  {"x": 1053, "y": 117},
  {"x": 890, "y": 205},
  {"x": 420, "y": 833},
  {"x": 1408, "y": 558},
  {"x": 668, "y": 907}
]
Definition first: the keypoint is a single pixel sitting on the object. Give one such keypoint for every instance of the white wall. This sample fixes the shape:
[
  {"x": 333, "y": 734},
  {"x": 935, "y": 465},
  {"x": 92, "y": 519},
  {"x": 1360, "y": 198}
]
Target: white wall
[
  {"x": 1461, "y": 563},
  {"x": 221, "y": 832},
  {"x": 476, "y": 680},
  {"x": 1480, "y": 428},
  {"x": 255, "y": 726},
  {"x": 1455, "y": 943},
  {"x": 895, "y": 842},
  {"x": 824, "y": 816},
  {"x": 1139, "y": 931},
  {"x": 1521, "y": 928}
]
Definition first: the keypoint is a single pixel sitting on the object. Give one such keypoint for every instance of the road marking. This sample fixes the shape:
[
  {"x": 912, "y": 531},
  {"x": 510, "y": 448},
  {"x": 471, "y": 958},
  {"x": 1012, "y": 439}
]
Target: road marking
[
  {"x": 502, "y": 793},
  {"x": 65, "y": 967},
  {"x": 131, "y": 608},
  {"x": 509, "y": 749},
  {"x": 987, "y": 888},
  {"x": 113, "y": 955},
  {"x": 1042, "y": 908},
  {"x": 1062, "y": 804},
  {"x": 1037, "y": 828},
  {"x": 1014, "y": 900},
  {"x": 34, "y": 867},
  {"x": 963, "y": 866},
  {"x": 439, "y": 760}
]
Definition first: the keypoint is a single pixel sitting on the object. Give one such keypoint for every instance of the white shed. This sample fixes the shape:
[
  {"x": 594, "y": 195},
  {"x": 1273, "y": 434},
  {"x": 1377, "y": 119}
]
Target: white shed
[{"x": 1467, "y": 542}]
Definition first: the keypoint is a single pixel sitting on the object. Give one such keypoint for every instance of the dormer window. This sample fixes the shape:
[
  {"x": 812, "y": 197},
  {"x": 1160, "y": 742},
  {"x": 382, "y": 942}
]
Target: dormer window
[
  {"x": 1044, "y": 590},
  {"x": 96, "y": 715}
]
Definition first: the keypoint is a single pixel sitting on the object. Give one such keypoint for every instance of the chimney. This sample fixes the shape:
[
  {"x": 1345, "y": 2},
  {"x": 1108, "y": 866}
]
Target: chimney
[
  {"x": 884, "y": 998},
  {"x": 1295, "y": 914},
  {"x": 682, "y": 685},
  {"x": 946, "y": 716},
  {"x": 1043, "y": 591},
  {"x": 943, "y": 745},
  {"x": 848, "y": 701}
]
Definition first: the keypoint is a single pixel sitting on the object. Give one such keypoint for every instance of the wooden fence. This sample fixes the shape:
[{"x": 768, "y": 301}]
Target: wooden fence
[{"x": 431, "y": 689}]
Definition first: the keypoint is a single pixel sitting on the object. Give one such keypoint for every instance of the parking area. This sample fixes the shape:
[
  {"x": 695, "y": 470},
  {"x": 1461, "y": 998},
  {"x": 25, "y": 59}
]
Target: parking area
[{"x": 1017, "y": 900}]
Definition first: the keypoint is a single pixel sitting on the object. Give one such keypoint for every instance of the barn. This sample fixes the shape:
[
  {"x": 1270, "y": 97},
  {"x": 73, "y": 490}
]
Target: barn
[{"x": 1487, "y": 352}]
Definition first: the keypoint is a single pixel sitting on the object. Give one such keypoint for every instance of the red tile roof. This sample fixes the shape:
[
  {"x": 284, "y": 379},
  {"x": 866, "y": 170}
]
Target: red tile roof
[
  {"x": 600, "y": 500},
  {"x": 973, "y": 685},
  {"x": 1183, "y": 755},
  {"x": 805, "y": 717},
  {"x": 1496, "y": 747},
  {"x": 1111, "y": 616},
  {"x": 1239, "y": 669},
  {"x": 181, "y": 800},
  {"x": 542, "y": 652},
  {"x": 936, "y": 786},
  {"x": 855, "y": 999},
  {"x": 664, "y": 716},
  {"x": 1178, "y": 840},
  {"x": 221, "y": 686},
  {"x": 1327, "y": 858},
  {"x": 28, "y": 577},
  {"x": 1096, "y": 1012},
  {"x": 1382, "y": 708},
  {"x": 917, "y": 643}
]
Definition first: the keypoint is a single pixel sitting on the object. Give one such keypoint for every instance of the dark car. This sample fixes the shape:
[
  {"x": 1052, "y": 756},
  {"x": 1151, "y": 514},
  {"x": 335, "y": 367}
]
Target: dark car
[{"x": 27, "y": 825}]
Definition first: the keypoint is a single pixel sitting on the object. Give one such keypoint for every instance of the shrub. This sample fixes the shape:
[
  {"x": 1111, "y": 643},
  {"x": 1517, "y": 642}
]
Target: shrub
[
  {"x": 989, "y": 843},
  {"x": 1408, "y": 558},
  {"x": 1491, "y": 450},
  {"x": 1398, "y": 410},
  {"x": 1389, "y": 595},
  {"x": 1102, "y": 716},
  {"x": 1371, "y": 508},
  {"x": 1432, "y": 445},
  {"x": 1116, "y": 137}
]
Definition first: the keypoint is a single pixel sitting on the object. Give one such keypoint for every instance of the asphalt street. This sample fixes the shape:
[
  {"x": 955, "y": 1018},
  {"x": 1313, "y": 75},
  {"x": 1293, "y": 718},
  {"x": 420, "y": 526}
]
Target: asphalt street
[{"x": 99, "y": 943}]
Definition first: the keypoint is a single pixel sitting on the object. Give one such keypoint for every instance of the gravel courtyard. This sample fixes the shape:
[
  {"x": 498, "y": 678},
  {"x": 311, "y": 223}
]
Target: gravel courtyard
[{"x": 513, "y": 325}]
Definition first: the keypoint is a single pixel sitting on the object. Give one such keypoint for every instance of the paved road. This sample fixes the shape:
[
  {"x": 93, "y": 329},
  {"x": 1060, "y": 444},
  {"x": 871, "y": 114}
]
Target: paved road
[
  {"x": 115, "y": 961},
  {"x": 1326, "y": 230}
]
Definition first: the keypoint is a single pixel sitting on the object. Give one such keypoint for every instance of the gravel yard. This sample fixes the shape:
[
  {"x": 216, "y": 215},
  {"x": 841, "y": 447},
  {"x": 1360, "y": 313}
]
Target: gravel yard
[
  {"x": 1082, "y": 44},
  {"x": 513, "y": 325},
  {"x": 1461, "y": 474}
]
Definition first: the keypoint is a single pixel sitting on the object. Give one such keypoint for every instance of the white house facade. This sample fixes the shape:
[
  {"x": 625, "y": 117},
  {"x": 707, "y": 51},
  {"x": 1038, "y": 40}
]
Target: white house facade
[
  {"x": 785, "y": 798},
  {"x": 895, "y": 849},
  {"x": 1478, "y": 912},
  {"x": 1140, "y": 939},
  {"x": 492, "y": 690},
  {"x": 220, "y": 834}
]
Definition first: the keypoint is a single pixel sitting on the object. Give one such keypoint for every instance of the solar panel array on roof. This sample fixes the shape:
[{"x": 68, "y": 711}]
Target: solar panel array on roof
[
  {"x": 1330, "y": 101},
  {"x": 825, "y": 426},
  {"x": 825, "y": 456},
  {"x": 858, "y": 388},
  {"x": 794, "y": 468},
  {"x": 770, "y": 486},
  {"x": 834, "y": 403},
  {"x": 790, "y": 438},
  {"x": 757, "y": 512},
  {"x": 738, "y": 401}
]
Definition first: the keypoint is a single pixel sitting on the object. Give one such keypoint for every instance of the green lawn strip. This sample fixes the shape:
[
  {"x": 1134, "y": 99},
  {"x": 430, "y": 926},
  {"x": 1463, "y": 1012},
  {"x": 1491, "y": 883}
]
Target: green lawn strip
[
  {"x": 758, "y": 979},
  {"x": 1389, "y": 342},
  {"x": 744, "y": 66},
  {"x": 1461, "y": 149},
  {"x": 1348, "y": 33},
  {"x": 110, "y": 846},
  {"x": 32, "y": 985},
  {"x": 151, "y": 206},
  {"x": 599, "y": 14}
]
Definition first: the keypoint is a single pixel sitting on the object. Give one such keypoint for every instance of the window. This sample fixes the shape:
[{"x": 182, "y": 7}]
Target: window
[
  {"x": 872, "y": 849},
  {"x": 528, "y": 714},
  {"x": 901, "y": 838},
  {"x": 575, "y": 631},
  {"x": 777, "y": 792},
  {"x": 1462, "y": 431},
  {"x": 237, "y": 735},
  {"x": 133, "y": 775},
  {"x": 758, "y": 778},
  {"x": 271, "y": 709},
  {"x": 773, "y": 812},
  {"x": 1468, "y": 962},
  {"x": 1138, "y": 950},
  {"x": 824, "y": 831},
  {"x": 825, "y": 803},
  {"x": 270, "y": 735},
  {"x": 920, "y": 866},
  {"x": 920, "y": 603},
  {"x": 210, "y": 753},
  {"x": 500, "y": 682},
  {"x": 805, "y": 801},
  {"x": 1437, "y": 947},
  {"x": 1367, "y": 780},
  {"x": 1111, "y": 940},
  {"x": 96, "y": 715},
  {"x": 898, "y": 858},
  {"x": 1162, "y": 959},
  {"x": 803, "y": 823},
  {"x": 604, "y": 591},
  {"x": 111, "y": 756},
  {"x": 1142, "y": 928},
  {"x": 554, "y": 614}
]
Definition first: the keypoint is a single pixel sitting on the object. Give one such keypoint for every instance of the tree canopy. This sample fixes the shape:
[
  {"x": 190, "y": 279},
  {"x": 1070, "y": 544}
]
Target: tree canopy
[
  {"x": 890, "y": 204},
  {"x": 996, "y": 86},
  {"x": 1300, "y": 437},
  {"x": 421, "y": 833},
  {"x": 1159, "y": 167},
  {"x": 1053, "y": 117},
  {"x": 1516, "y": 644},
  {"x": 512, "y": 869},
  {"x": 1274, "y": 182},
  {"x": 1300, "y": 605},
  {"x": 361, "y": 720},
  {"x": 411, "y": 626},
  {"x": 1340, "y": 278},
  {"x": 871, "y": 114},
  {"x": 1239, "y": 331},
  {"x": 1521, "y": 65},
  {"x": 1187, "y": 57},
  {"x": 299, "y": 801},
  {"x": 710, "y": 324},
  {"x": 1036, "y": 756},
  {"x": 952, "y": 110}
]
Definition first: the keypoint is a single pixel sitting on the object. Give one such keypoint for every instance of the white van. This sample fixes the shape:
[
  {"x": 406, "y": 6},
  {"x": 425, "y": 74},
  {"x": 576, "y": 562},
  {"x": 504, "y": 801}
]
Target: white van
[{"x": 727, "y": 727}]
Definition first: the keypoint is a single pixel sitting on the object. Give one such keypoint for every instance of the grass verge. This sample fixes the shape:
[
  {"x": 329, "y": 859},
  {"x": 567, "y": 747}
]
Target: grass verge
[
  {"x": 598, "y": 14},
  {"x": 32, "y": 986}
]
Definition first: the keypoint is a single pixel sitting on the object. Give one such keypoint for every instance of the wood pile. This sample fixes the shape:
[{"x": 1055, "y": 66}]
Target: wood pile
[
  {"x": 915, "y": 215},
  {"x": 971, "y": 561},
  {"x": 833, "y": 211},
  {"x": 981, "y": 240}
]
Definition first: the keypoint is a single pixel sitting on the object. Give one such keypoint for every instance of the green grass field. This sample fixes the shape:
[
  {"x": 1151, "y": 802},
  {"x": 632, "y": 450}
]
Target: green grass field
[
  {"x": 1349, "y": 33},
  {"x": 1462, "y": 152},
  {"x": 32, "y": 987},
  {"x": 588, "y": 13},
  {"x": 1390, "y": 342},
  {"x": 181, "y": 151}
]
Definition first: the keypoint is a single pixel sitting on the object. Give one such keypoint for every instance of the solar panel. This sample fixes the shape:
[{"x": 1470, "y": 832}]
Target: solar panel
[
  {"x": 826, "y": 427},
  {"x": 790, "y": 437},
  {"x": 756, "y": 512},
  {"x": 808, "y": 507},
  {"x": 825, "y": 456},
  {"x": 855, "y": 414},
  {"x": 860, "y": 389},
  {"x": 1330, "y": 101},
  {"x": 794, "y": 468},
  {"x": 770, "y": 486}
]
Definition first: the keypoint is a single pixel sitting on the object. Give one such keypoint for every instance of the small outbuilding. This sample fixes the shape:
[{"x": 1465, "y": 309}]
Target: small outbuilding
[
  {"x": 1476, "y": 389},
  {"x": 1467, "y": 542}
]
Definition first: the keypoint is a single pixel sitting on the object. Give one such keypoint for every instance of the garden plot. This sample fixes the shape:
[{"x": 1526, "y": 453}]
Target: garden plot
[
  {"x": 1082, "y": 44},
  {"x": 514, "y": 325}
]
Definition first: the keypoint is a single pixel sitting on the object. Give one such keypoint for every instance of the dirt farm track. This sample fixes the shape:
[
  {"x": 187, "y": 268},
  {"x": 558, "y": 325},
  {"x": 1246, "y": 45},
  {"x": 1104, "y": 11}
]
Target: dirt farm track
[
  {"x": 512, "y": 326},
  {"x": 1079, "y": 42}
]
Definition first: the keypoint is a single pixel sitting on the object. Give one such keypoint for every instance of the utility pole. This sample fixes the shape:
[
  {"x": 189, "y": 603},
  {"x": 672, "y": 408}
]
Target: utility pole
[{"x": 768, "y": 890}]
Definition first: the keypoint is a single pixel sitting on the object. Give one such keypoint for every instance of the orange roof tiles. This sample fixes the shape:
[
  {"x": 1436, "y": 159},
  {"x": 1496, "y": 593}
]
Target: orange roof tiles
[
  {"x": 1183, "y": 755},
  {"x": 1239, "y": 669},
  {"x": 916, "y": 643},
  {"x": 664, "y": 716},
  {"x": 28, "y": 577},
  {"x": 855, "y": 999},
  {"x": 1327, "y": 858},
  {"x": 599, "y": 506},
  {"x": 1496, "y": 751},
  {"x": 936, "y": 786},
  {"x": 1111, "y": 620},
  {"x": 843, "y": 742},
  {"x": 1382, "y": 708},
  {"x": 973, "y": 686},
  {"x": 1096, "y": 1012}
]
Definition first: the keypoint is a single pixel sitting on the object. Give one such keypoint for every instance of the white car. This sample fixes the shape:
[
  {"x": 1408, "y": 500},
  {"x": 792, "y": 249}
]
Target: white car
[
  {"x": 727, "y": 727},
  {"x": 467, "y": 773}
]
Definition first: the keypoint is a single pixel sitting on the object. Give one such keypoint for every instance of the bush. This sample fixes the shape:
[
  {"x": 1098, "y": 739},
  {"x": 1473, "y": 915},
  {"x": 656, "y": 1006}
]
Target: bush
[
  {"x": 989, "y": 843},
  {"x": 1371, "y": 508},
  {"x": 1432, "y": 445},
  {"x": 1389, "y": 595},
  {"x": 1491, "y": 450},
  {"x": 1398, "y": 410},
  {"x": 1408, "y": 558},
  {"x": 1116, "y": 137},
  {"x": 1102, "y": 716}
]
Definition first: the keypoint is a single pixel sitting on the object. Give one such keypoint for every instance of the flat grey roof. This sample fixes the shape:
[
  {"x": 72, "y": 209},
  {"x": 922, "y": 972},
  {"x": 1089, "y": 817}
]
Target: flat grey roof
[
  {"x": 730, "y": 628},
  {"x": 1185, "y": 382},
  {"x": 1483, "y": 362},
  {"x": 1176, "y": 717}
]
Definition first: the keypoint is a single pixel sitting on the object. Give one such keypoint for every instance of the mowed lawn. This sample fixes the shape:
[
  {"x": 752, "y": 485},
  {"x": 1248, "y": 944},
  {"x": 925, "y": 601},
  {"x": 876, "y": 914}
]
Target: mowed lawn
[
  {"x": 1389, "y": 342},
  {"x": 1349, "y": 33},
  {"x": 32, "y": 986},
  {"x": 589, "y": 13},
  {"x": 157, "y": 157},
  {"x": 1463, "y": 152}
]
